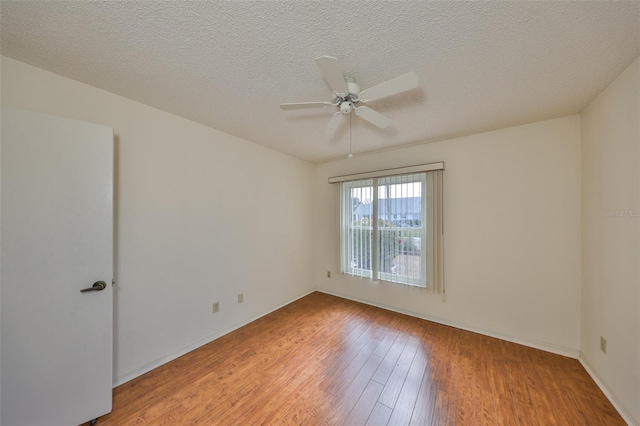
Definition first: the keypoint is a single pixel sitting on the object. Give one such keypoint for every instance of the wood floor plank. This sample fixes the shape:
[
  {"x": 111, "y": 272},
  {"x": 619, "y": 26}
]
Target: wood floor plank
[
  {"x": 389, "y": 338},
  {"x": 390, "y": 360},
  {"x": 323, "y": 360},
  {"x": 364, "y": 406},
  {"x": 405, "y": 404},
  {"x": 347, "y": 399},
  {"x": 484, "y": 389},
  {"x": 432, "y": 400},
  {"x": 465, "y": 393},
  {"x": 505, "y": 407},
  {"x": 379, "y": 416},
  {"x": 429, "y": 400},
  {"x": 394, "y": 385}
]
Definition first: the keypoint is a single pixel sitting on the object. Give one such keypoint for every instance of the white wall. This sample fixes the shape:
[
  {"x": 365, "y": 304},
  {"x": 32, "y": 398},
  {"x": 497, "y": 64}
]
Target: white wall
[
  {"x": 611, "y": 238},
  {"x": 512, "y": 234},
  {"x": 201, "y": 216}
]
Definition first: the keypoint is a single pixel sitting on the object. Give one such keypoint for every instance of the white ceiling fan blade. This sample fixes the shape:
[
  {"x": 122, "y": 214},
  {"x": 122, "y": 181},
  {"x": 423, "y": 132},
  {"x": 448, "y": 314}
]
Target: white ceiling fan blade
[
  {"x": 303, "y": 105},
  {"x": 332, "y": 72},
  {"x": 374, "y": 117},
  {"x": 334, "y": 122},
  {"x": 405, "y": 82}
]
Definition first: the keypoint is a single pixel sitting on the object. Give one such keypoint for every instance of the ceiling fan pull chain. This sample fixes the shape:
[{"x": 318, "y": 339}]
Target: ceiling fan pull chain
[{"x": 350, "y": 152}]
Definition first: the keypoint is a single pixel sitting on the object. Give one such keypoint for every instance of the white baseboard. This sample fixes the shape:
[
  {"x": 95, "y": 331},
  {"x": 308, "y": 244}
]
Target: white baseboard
[
  {"x": 627, "y": 417},
  {"x": 547, "y": 347},
  {"x": 188, "y": 348}
]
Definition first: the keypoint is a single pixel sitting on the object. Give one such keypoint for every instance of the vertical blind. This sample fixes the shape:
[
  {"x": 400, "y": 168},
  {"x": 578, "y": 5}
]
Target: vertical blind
[{"x": 391, "y": 228}]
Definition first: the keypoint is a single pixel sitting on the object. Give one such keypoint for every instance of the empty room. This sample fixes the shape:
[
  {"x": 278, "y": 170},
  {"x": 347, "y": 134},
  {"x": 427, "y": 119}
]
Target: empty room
[{"x": 319, "y": 213}]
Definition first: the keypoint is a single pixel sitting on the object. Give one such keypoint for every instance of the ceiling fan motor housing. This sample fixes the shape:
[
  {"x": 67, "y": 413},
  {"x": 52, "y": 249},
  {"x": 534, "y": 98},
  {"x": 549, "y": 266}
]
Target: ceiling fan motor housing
[{"x": 347, "y": 101}]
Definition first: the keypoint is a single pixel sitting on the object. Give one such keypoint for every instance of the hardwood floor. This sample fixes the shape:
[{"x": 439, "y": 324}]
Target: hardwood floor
[{"x": 323, "y": 360}]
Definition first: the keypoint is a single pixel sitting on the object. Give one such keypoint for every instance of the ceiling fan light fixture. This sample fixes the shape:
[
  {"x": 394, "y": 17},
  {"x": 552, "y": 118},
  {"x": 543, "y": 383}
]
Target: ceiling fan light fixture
[{"x": 345, "y": 107}]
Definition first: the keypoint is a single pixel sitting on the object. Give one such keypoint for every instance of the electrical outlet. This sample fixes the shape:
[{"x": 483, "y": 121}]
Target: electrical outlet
[
  {"x": 328, "y": 274},
  {"x": 216, "y": 307},
  {"x": 603, "y": 345},
  {"x": 240, "y": 297}
]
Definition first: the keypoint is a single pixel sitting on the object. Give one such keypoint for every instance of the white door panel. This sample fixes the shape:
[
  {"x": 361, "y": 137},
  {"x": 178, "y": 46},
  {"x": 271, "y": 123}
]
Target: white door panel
[{"x": 57, "y": 238}]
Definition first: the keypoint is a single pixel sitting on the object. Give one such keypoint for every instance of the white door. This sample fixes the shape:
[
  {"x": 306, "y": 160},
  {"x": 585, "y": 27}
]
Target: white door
[{"x": 57, "y": 239}]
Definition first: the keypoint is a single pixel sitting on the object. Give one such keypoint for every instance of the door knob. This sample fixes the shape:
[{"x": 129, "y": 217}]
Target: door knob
[{"x": 97, "y": 286}]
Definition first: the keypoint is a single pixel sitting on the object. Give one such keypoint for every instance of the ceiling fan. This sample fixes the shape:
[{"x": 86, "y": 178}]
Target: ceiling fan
[{"x": 348, "y": 97}]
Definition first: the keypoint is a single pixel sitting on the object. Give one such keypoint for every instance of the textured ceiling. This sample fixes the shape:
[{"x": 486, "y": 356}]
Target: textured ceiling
[{"x": 228, "y": 65}]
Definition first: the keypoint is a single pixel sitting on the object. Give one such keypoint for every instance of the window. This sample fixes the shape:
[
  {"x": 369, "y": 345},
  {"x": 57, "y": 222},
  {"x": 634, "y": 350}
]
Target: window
[{"x": 391, "y": 228}]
